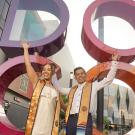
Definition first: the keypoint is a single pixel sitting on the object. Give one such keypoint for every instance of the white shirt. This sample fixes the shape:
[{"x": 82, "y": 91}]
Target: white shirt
[
  {"x": 76, "y": 100},
  {"x": 95, "y": 87}
]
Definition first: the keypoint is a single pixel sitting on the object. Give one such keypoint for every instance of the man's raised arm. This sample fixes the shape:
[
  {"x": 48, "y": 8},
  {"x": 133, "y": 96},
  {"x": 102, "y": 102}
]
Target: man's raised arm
[{"x": 110, "y": 76}]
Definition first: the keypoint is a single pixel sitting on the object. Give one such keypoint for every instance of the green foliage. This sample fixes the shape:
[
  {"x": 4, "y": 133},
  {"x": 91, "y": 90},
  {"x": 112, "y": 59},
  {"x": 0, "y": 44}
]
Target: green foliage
[
  {"x": 65, "y": 98},
  {"x": 62, "y": 113},
  {"x": 106, "y": 123}
]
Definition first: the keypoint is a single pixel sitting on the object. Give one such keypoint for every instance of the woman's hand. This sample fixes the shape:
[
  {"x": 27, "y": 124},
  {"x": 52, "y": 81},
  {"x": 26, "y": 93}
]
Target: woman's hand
[{"x": 25, "y": 45}]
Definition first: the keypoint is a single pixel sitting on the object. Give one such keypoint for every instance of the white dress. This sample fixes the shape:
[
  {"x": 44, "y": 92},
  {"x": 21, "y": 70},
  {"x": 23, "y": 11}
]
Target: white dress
[{"x": 45, "y": 113}]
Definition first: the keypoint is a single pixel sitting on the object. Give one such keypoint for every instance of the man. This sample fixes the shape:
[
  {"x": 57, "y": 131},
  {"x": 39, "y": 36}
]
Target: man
[
  {"x": 43, "y": 117},
  {"x": 81, "y": 100}
]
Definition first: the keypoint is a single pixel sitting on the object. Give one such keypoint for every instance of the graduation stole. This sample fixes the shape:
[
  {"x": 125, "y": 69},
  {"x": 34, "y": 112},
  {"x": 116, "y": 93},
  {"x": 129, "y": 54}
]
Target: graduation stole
[
  {"x": 84, "y": 105},
  {"x": 33, "y": 111}
]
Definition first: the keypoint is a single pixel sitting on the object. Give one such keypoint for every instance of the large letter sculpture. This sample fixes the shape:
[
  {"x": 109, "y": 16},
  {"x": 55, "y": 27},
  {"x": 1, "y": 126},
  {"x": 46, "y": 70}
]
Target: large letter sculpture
[
  {"x": 102, "y": 52},
  {"x": 47, "y": 46}
]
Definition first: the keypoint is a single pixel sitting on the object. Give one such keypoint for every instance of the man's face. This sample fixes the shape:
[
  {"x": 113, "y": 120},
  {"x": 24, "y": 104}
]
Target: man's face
[
  {"x": 47, "y": 72},
  {"x": 80, "y": 76}
]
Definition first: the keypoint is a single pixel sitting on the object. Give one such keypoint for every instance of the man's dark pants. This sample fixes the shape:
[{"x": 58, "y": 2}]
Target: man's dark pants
[{"x": 71, "y": 126}]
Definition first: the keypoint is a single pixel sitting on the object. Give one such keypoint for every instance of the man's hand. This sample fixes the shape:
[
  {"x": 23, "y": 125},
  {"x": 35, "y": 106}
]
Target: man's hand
[
  {"x": 25, "y": 45},
  {"x": 115, "y": 57}
]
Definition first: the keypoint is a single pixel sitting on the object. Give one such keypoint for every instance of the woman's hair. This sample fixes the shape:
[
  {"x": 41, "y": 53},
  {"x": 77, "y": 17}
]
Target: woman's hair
[{"x": 53, "y": 67}]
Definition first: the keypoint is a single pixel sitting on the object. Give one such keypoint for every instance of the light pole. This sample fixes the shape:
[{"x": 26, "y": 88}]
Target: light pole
[{"x": 71, "y": 79}]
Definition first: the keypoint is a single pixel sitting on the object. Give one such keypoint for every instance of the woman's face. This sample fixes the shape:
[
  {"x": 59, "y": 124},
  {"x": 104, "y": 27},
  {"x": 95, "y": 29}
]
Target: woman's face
[{"x": 47, "y": 72}]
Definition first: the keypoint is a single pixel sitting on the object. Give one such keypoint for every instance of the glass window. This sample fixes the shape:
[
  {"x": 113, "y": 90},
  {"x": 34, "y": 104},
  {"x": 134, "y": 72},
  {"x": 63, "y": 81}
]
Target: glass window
[
  {"x": 1, "y": 23},
  {"x": 8, "y": 1},
  {"x": 1, "y": 6},
  {"x": 5, "y": 11},
  {"x": 0, "y": 33},
  {"x": 33, "y": 25}
]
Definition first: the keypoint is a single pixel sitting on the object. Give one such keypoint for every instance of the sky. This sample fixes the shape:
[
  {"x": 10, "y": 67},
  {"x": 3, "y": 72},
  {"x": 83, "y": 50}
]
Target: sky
[
  {"x": 116, "y": 32},
  {"x": 74, "y": 33}
]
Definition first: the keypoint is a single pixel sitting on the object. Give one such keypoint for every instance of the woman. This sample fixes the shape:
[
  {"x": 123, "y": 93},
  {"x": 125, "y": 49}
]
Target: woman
[{"x": 43, "y": 118}]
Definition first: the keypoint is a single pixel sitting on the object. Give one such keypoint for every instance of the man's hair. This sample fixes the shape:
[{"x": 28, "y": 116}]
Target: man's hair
[{"x": 77, "y": 68}]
